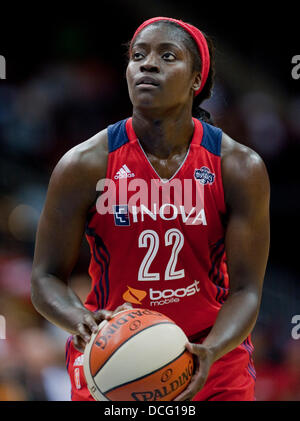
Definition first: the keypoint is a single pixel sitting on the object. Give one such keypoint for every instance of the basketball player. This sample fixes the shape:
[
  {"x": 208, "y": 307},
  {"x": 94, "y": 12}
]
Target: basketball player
[{"x": 201, "y": 266}]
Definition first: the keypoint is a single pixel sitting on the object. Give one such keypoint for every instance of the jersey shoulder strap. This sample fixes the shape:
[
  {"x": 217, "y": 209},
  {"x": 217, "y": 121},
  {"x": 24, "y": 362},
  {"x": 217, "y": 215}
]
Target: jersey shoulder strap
[
  {"x": 212, "y": 138},
  {"x": 117, "y": 135}
]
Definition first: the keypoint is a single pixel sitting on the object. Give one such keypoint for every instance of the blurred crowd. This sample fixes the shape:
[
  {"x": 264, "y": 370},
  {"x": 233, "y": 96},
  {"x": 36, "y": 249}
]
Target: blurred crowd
[{"x": 64, "y": 103}]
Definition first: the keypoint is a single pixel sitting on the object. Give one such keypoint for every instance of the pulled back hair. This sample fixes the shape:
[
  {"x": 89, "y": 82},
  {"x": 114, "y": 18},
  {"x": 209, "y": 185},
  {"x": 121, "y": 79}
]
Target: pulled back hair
[{"x": 197, "y": 110}]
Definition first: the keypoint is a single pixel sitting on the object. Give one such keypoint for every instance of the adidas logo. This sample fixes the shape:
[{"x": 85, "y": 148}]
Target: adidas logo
[{"x": 124, "y": 172}]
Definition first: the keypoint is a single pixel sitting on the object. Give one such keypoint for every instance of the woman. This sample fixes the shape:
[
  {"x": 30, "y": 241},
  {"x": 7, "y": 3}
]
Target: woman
[{"x": 201, "y": 262}]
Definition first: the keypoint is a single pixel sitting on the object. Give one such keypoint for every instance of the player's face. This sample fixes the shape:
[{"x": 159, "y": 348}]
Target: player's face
[{"x": 159, "y": 73}]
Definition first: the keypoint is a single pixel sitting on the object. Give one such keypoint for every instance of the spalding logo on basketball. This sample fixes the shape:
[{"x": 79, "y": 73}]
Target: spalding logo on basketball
[{"x": 139, "y": 355}]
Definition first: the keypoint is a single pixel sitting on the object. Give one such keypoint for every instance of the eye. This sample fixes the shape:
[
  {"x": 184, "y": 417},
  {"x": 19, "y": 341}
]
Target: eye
[
  {"x": 137, "y": 56},
  {"x": 169, "y": 56}
]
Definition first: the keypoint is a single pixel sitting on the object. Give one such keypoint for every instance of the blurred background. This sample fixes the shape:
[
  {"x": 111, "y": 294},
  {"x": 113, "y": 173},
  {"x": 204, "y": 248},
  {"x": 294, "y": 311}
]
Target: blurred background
[{"x": 65, "y": 81}]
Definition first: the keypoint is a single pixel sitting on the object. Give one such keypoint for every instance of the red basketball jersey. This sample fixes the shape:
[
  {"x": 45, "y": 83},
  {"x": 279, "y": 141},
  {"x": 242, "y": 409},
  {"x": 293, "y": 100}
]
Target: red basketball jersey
[{"x": 159, "y": 244}]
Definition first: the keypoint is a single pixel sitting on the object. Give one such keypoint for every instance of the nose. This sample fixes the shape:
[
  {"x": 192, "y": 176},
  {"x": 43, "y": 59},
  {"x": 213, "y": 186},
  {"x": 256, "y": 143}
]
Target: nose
[{"x": 150, "y": 64}]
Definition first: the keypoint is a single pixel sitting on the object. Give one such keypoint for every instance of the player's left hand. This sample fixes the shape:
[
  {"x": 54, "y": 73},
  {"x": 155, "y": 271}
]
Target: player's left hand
[{"x": 204, "y": 360}]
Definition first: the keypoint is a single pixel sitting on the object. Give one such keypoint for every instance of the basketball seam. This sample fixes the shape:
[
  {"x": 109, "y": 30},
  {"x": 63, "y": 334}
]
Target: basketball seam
[
  {"x": 142, "y": 377},
  {"x": 102, "y": 393},
  {"x": 137, "y": 333}
]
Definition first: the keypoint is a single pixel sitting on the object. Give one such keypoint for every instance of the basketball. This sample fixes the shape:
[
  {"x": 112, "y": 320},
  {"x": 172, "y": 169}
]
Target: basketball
[{"x": 138, "y": 355}]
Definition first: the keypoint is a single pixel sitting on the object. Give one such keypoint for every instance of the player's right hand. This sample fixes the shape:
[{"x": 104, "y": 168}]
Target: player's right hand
[{"x": 88, "y": 322}]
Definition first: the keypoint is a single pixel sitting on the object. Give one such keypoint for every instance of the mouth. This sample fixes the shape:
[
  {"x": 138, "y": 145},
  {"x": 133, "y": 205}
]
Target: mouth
[{"x": 147, "y": 81}]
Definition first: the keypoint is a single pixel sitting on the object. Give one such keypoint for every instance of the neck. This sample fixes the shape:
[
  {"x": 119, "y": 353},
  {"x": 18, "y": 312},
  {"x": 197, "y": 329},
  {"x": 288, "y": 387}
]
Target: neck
[{"x": 165, "y": 135}]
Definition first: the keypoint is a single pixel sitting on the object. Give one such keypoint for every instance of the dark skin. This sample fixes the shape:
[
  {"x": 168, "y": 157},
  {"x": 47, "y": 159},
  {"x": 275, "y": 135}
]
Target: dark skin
[{"x": 162, "y": 120}]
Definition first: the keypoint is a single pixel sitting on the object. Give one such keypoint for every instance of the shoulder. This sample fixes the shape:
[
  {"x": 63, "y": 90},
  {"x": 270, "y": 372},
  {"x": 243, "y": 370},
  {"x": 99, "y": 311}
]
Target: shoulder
[
  {"x": 244, "y": 172},
  {"x": 87, "y": 160},
  {"x": 87, "y": 155},
  {"x": 238, "y": 157},
  {"x": 75, "y": 176}
]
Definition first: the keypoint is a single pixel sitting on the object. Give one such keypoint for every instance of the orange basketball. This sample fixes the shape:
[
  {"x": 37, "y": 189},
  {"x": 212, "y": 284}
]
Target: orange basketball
[{"x": 139, "y": 355}]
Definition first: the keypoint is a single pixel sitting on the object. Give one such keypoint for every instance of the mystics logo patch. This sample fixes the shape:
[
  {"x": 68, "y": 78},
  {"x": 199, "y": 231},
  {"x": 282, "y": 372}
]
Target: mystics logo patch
[
  {"x": 204, "y": 175},
  {"x": 134, "y": 296}
]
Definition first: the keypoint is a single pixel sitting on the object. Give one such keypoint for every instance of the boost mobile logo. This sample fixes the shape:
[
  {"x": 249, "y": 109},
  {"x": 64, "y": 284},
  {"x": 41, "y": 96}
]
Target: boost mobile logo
[
  {"x": 134, "y": 296},
  {"x": 168, "y": 296},
  {"x": 2, "y": 68},
  {"x": 160, "y": 297}
]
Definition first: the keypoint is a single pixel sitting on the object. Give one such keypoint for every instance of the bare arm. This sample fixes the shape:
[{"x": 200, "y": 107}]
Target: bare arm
[
  {"x": 247, "y": 192},
  {"x": 247, "y": 248},
  {"x": 71, "y": 192}
]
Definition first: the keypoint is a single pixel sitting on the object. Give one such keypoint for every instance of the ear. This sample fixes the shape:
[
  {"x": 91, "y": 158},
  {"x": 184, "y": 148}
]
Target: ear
[{"x": 197, "y": 82}]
